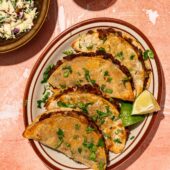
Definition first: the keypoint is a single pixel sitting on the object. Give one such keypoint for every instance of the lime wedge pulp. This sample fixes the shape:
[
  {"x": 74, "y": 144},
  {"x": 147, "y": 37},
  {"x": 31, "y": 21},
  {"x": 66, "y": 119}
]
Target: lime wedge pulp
[{"x": 145, "y": 103}]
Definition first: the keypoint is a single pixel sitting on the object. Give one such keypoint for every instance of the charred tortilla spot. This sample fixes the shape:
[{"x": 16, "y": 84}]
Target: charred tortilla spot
[
  {"x": 44, "y": 116},
  {"x": 119, "y": 33},
  {"x": 102, "y": 33},
  {"x": 90, "y": 32},
  {"x": 146, "y": 78},
  {"x": 59, "y": 62}
]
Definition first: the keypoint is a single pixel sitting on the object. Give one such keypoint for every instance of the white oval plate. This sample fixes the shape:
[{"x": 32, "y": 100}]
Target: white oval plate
[{"x": 51, "y": 55}]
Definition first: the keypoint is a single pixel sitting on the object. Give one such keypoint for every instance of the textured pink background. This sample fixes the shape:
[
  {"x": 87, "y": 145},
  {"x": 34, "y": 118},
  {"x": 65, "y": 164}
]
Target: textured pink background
[{"x": 152, "y": 17}]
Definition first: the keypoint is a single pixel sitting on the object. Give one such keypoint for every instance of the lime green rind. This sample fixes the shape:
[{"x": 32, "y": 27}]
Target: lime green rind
[{"x": 126, "y": 117}]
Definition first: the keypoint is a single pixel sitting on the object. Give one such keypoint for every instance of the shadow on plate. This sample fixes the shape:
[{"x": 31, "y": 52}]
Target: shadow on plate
[
  {"x": 143, "y": 146},
  {"x": 95, "y": 5},
  {"x": 37, "y": 43}
]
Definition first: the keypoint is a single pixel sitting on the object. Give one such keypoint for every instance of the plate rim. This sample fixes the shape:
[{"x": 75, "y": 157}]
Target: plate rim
[{"x": 61, "y": 35}]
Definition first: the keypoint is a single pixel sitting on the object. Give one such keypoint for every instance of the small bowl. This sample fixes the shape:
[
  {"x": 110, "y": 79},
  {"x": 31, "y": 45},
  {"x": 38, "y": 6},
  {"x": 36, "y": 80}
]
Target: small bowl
[{"x": 23, "y": 38}]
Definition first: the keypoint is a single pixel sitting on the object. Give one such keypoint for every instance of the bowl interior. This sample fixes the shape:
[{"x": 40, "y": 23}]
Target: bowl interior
[{"x": 21, "y": 39}]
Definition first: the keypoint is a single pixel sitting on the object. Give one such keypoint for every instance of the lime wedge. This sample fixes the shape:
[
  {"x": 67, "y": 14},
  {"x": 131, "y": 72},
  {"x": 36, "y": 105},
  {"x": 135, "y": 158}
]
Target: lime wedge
[{"x": 145, "y": 103}]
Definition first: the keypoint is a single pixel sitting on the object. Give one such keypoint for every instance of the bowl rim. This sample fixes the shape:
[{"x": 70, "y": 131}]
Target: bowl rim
[{"x": 31, "y": 34}]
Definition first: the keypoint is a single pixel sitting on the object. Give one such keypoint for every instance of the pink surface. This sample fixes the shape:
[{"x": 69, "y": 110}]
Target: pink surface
[{"x": 151, "y": 17}]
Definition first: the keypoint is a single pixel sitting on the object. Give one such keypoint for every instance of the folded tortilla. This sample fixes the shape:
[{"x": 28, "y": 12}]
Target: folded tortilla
[
  {"x": 72, "y": 134},
  {"x": 94, "y": 70},
  {"x": 98, "y": 109}
]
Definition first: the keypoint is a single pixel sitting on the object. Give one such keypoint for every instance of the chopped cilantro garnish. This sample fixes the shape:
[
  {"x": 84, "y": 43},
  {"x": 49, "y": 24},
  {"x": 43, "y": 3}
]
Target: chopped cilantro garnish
[
  {"x": 68, "y": 68},
  {"x": 43, "y": 100},
  {"x": 101, "y": 49},
  {"x": 148, "y": 54},
  {"x": 93, "y": 82},
  {"x": 89, "y": 129},
  {"x": 94, "y": 117},
  {"x": 132, "y": 57},
  {"x": 68, "y": 145},
  {"x": 80, "y": 45},
  {"x": 46, "y": 74},
  {"x": 126, "y": 79},
  {"x": 106, "y": 90},
  {"x": 110, "y": 91},
  {"x": 1, "y": 18},
  {"x": 77, "y": 126},
  {"x": 66, "y": 74},
  {"x": 92, "y": 156},
  {"x": 84, "y": 106},
  {"x": 92, "y": 148},
  {"x": 90, "y": 47},
  {"x": 90, "y": 145},
  {"x": 101, "y": 165},
  {"x": 79, "y": 150},
  {"x": 102, "y": 87},
  {"x": 59, "y": 143},
  {"x": 101, "y": 114},
  {"x": 100, "y": 143},
  {"x": 63, "y": 86},
  {"x": 60, "y": 134},
  {"x": 107, "y": 136},
  {"x": 109, "y": 79},
  {"x": 78, "y": 82},
  {"x": 67, "y": 71},
  {"x": 45, "y": 89},
  {"x": 107, "y": 76},
  {"x": 101, "y": 121},
  {"x": 118, "y": 131},
  {"x": 132, "y": 137},
  {"x": 108, "y": 110},
  {"x": 68, "y": 52},
  {"x": 87, "y": 76},
  {"x": 117, "y": 140},
  {"x": 113, "y": 117},
  {"x": 104, "y": 114},
  {"x": 106, "y": 73},
  {"x": 39, "y": 102},
  {"x": 111, "y": 99},
  {"x": 67, "y": 105},
  {"x": 120, "y": 55},
  {"x": 87, "y": 144}
]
